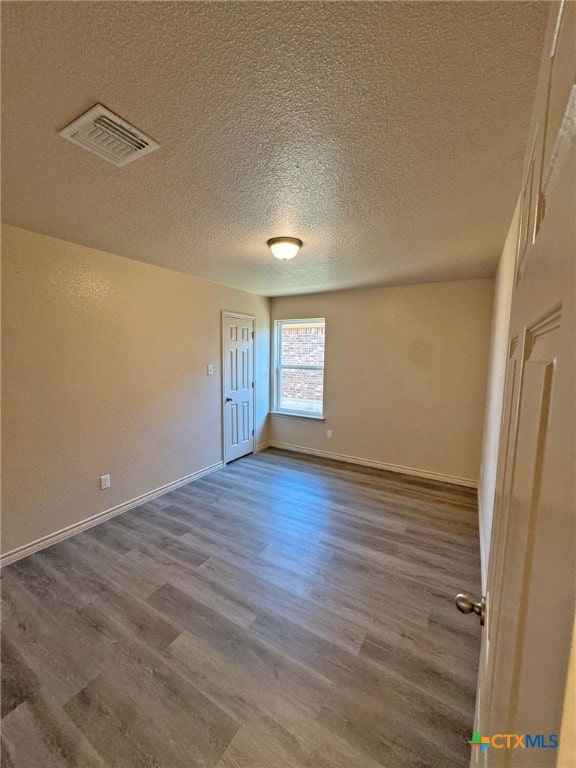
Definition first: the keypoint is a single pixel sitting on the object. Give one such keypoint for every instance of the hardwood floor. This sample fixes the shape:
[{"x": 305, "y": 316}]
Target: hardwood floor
[{"x": 283, "y": 612}]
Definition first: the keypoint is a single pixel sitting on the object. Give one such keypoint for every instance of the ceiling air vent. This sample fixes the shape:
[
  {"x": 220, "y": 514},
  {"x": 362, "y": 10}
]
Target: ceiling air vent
[{"x": 105, "y": 134}]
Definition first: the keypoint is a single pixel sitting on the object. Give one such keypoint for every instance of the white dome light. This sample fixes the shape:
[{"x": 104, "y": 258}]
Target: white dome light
[{"x": 284, "y": 248}]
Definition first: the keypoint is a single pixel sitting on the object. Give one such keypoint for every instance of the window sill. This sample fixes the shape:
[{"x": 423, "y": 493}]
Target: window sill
[{"x": 312, "y": 416}]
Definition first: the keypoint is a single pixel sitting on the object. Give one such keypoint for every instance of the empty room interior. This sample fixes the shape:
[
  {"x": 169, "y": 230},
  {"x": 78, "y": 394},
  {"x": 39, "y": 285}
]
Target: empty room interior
[{"x": 288, "y": 384}]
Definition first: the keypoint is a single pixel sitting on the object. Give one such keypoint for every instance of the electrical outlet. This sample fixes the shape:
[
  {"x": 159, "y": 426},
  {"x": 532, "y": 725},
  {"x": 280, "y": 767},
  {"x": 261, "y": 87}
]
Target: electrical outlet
[
  {"x": 210, "y": 370},
  {"x": 329, "y": 434},
  {"x": 104, "y": 482}
]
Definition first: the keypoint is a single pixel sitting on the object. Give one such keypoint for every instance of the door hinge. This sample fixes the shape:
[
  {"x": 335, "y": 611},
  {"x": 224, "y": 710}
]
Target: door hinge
[
  {"x": 252, "y": 385},
  {"x": 253, "y": 334},
  {"x": 252, "y": 432}
]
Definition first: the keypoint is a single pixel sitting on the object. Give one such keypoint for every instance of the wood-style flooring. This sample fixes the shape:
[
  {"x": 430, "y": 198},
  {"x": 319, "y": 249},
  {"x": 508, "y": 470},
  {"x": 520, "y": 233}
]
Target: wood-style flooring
[{"x": 283, "y": 612}]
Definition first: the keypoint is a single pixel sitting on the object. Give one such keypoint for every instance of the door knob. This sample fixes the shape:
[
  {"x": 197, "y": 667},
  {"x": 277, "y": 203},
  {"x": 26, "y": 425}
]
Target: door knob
[
  {"x": 228, "y": 400},
  {"x": 467, "y": 604}
]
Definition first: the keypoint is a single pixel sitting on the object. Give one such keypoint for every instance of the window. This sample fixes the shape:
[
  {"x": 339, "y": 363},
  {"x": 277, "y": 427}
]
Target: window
[{"x": 299, "y": 367}]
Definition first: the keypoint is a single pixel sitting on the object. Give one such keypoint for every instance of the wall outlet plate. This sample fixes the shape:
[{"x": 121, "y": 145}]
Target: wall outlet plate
[{"x": 104, "y": 482}]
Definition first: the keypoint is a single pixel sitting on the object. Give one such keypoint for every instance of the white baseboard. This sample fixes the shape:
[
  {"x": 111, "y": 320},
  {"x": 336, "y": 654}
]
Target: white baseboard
[
  {"x": 262, "y": 446},
  {"x": 465, "y": 481},
  {"x": 71, "y": 530}
]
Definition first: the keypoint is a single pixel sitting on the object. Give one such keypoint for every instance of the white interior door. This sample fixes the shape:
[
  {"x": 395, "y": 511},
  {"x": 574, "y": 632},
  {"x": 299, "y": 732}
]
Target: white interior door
[
  {"x": 523, "y": 682},
  {"x": 238, "y": 384}
]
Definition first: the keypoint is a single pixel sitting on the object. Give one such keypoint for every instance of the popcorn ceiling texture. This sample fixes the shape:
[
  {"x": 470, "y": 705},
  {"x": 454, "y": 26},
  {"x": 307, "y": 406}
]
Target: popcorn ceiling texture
[{"x": 388, "y": 136}]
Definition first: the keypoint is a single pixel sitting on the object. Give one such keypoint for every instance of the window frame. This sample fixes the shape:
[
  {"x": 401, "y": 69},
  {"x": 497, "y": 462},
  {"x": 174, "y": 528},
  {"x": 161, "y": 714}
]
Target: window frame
[{"x": 278, "y": 367}]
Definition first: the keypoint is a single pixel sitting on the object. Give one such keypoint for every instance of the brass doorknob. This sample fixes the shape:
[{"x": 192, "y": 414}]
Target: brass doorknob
[{"x": 467, "y": 604}]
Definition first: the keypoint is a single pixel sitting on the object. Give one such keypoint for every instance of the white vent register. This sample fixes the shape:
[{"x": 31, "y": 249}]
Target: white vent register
[{"x": 105, "y": 134}]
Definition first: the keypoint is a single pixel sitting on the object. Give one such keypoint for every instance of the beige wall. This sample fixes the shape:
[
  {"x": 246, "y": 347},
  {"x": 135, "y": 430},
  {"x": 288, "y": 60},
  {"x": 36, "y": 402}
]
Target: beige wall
[
  {"x": 495, "y": 390},
  {"x": 104, "y": 372},
  {"x": 405, "y": 377},
  {"x": 567, "y": 745}
]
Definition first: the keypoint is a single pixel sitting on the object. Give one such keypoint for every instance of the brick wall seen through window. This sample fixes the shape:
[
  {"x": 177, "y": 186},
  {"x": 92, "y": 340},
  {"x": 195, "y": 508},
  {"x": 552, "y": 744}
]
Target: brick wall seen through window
[{"x": 300, "y": 366}]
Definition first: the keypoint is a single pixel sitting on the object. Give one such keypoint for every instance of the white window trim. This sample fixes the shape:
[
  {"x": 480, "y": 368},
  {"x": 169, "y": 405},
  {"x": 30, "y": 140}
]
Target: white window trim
[{"x": 277, "y": 369}]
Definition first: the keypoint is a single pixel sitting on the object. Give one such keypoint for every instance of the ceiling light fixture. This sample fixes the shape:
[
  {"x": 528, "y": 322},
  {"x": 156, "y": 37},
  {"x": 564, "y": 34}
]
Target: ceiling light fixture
[{"x": 284, "y": 247}]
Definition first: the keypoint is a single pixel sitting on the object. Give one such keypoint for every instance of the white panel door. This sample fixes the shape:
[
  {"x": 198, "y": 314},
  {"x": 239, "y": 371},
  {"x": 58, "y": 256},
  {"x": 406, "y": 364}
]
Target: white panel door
[
  {"x": 530, "y": 598},
  {"x": 238, "y": 385}
]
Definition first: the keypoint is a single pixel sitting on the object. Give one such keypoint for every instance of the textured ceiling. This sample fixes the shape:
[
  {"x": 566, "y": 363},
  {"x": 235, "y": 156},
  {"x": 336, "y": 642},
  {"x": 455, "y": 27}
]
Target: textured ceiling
[{"x": 388, "y": 136}]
